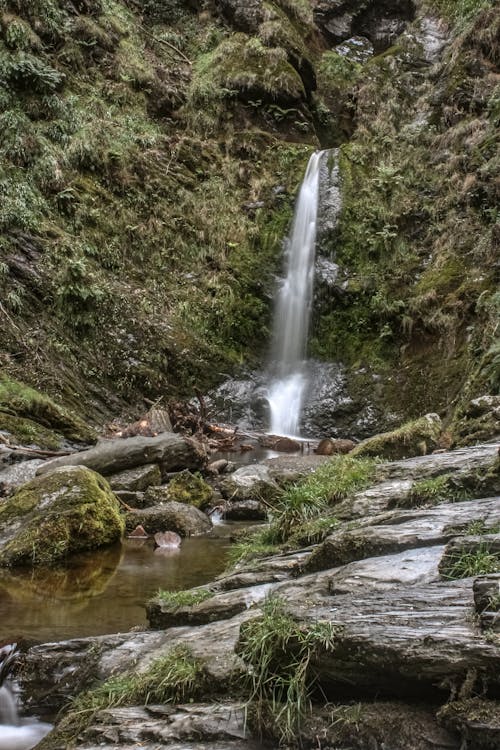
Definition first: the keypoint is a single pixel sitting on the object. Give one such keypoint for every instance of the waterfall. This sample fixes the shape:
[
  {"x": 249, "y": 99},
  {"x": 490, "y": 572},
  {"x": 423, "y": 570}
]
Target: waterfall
[
  {"x": 293, "y": 308},
  {"x": 15, "y": 733}
]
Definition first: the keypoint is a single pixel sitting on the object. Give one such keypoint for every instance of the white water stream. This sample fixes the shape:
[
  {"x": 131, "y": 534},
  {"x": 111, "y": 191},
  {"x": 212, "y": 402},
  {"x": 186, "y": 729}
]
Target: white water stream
[
  {"x": 16, "y": 733},
  {"x": 293, "y": 309}
]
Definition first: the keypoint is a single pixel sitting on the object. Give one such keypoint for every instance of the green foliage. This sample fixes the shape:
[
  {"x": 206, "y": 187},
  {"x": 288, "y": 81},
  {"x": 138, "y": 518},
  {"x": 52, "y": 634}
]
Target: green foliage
[
  {"x": 262, "y": 543},
  {"x": 441, "y": 489},
  {"x": 77, "y": 294},
  {"x": 176, "y": 677},
  {"x": 26, "y": 72},
  {"x": 461, "y": 10},
  {"x": 480, "y": 561},
  {"x": 279, "y": 680},
  {"x": 176, "y": 599},
  {"x": 310, "y": 499}
]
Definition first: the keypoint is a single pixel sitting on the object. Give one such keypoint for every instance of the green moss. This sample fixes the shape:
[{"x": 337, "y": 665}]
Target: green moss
[
  {"x": 190, "y": 488},
  {"x": 22, "y": 401},
  {"x": 67, "y": 511},
  {"x": 411, "y": 439},
  {"x": 28, "y": 432}
]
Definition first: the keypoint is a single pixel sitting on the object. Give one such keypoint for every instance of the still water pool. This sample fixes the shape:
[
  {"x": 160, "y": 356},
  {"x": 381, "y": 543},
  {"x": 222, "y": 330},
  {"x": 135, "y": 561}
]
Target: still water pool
[{"x": 104, "y": 591}]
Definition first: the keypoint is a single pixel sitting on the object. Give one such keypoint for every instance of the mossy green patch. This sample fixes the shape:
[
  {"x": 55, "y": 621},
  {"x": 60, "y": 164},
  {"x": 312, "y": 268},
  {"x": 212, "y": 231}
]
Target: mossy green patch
[
  {"x": 69, "y": 510},
  {"x": 28, "y": 432},
  {"x": 20, "y": 400},
  {"x": 176, "y": 599},
  {"x": 190, "y": 488},
  {"x": 414, "y": 438}
]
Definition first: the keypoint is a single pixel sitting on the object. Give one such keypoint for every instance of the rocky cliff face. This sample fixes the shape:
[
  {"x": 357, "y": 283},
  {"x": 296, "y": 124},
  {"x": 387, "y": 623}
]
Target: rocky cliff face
[{"x": 150, "y": 156}]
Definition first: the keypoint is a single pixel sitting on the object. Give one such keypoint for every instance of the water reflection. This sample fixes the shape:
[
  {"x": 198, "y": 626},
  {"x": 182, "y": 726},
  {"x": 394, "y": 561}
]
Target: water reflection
[{"x": 103, "y": 591}]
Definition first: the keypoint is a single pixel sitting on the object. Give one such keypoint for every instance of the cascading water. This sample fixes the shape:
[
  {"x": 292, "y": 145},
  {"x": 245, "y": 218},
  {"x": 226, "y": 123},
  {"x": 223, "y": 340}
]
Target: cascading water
[
  {"x": 15, "y": 733},
  {"x": 293, "y": 309}
]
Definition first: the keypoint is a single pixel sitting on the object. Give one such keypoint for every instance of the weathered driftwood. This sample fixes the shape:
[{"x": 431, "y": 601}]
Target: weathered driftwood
[{"x": 169, "y": 450}]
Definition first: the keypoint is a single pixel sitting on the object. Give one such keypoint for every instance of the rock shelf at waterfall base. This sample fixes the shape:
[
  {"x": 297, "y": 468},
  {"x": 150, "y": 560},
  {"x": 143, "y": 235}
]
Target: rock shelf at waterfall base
[{"x": 400, "y": 652}]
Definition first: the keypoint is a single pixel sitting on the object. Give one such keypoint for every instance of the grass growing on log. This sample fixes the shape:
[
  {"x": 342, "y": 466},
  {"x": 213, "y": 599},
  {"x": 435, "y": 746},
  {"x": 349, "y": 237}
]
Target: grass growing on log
[
  {"x": 177, "y": 599},
  {"x": 279, "y": 682}
]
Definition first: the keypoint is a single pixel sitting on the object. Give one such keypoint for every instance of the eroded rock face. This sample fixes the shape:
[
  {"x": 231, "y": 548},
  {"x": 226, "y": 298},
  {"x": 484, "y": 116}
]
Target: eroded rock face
[
  {"x": 381, "y": 21},
  {"x": 70, "y": 510}
]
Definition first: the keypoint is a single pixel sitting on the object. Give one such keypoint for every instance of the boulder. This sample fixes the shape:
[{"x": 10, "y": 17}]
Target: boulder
[
  {"x": 137, "y": 479},
  {"x": 184, "y": 519},
  {"x": 70, "y": 510},
  {"x": 171, "y": 451},
  {"x": 183, "y": 488},
  {"x": 252, "y": 482},
  {"x": 411, "y": 439},
  {"x": 245, "y": 510},
  {"x": 329, "y": 446}
]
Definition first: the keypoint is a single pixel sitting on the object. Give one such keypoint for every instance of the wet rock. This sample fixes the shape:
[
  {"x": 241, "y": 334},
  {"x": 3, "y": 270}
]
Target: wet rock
[
  {"x": 137, "y": 479},
  {"x": 171, "y": 451},
  {"x": 167, "y": 539},
  {"x": 280, "y": 443},
  {"x": 138, "y": 533},
  {"x": 162, "y": 614},
  {"x": 217, "y": 467},
  {"x": 486, "y": 591},
  {"x": 184, "y": 488},
  {"x": 245, "y": 510},
  {"x": 70, "y": 510},
  {"x": 395, "y": 532},
  {"x": 460, "y": 461},
  {"x": 328, "y": 447},
  {"x": 205, "y": 726},
  {"x": 476, "y": 720},
  {"x": 411, "y": 439},
  {"x": 252, "y": 482},
  {"x": 286, "y": 469},
  {"x": 184, "y": 519},
  {"x": 18, "y": 473}
]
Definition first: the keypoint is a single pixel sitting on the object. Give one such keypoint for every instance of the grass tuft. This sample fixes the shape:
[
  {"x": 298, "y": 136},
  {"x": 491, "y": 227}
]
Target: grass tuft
[
  {"x": 177, "y": 599},
  {"x": 280, "y": 678}
]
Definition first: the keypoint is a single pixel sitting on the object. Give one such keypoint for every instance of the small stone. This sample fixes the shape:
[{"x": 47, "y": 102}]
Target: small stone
[
  {"x": 138, "y": 533},
  {"x": 167, "y": 539}
]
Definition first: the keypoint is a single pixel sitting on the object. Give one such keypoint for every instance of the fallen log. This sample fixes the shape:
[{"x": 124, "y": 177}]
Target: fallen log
[{"x": 171, "y": 451}]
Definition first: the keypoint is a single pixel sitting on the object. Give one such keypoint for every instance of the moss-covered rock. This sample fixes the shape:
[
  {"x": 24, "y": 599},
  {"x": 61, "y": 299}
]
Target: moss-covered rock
[
  {"x": 27, "y": 432},
  {"x": 42, "y": 415},
  {"x": 70, "y": 510},
  {"x": 185, "y": 487},
  {"x": 415, "y": 438}
]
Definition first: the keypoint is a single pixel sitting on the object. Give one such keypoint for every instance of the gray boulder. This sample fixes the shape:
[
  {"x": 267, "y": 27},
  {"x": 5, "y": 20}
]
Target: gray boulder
[
  {"x": 252, "y": 482},
  {"x": 137, "y": 479},
  {"x": 182, "y": 518}
]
